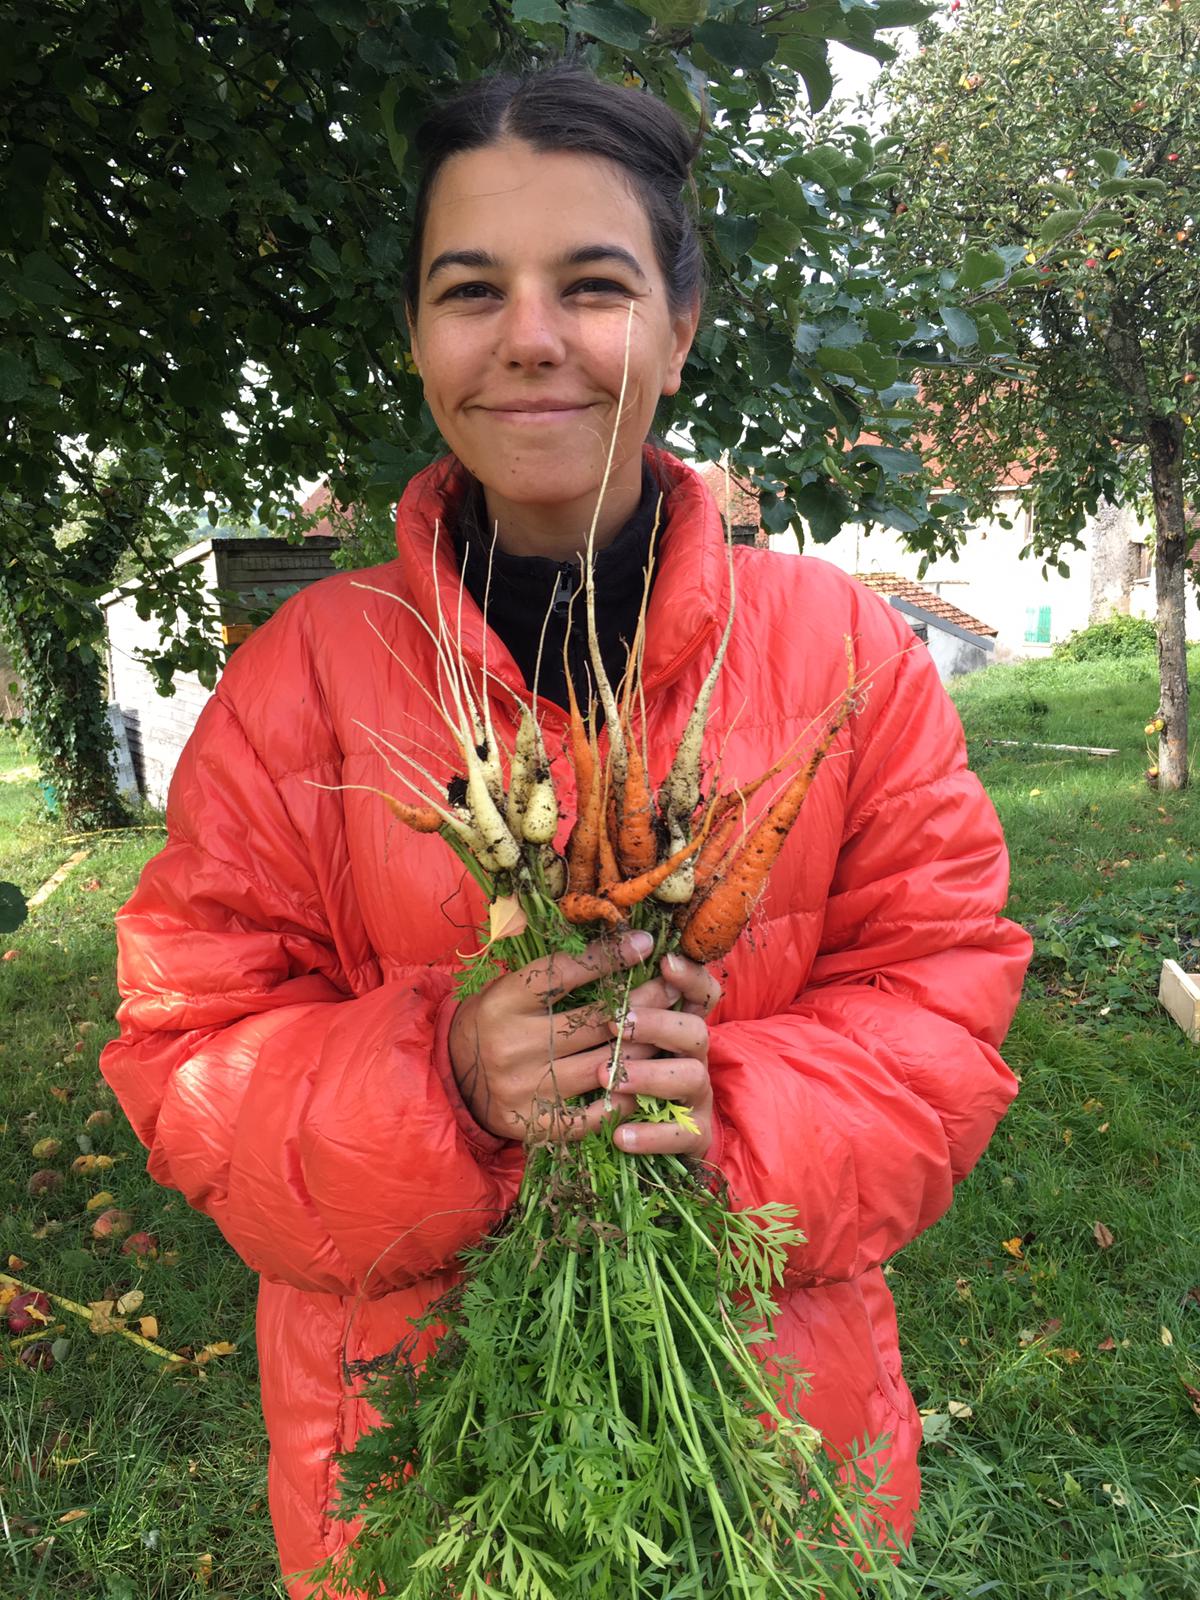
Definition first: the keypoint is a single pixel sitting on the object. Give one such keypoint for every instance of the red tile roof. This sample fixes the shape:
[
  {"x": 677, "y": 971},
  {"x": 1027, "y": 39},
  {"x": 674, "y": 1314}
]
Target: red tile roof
[
  {"x": 891, "y": 583},
  {"x": 743, "y": 497}
]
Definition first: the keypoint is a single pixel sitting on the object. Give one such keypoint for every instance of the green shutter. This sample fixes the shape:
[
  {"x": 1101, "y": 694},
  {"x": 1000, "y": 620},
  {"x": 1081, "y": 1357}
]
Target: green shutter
[{"x": 1037, "y": 624}]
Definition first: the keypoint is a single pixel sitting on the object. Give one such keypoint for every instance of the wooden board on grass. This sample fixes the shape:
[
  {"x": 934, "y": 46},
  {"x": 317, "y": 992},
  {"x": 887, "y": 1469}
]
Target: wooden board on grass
[{"x": 1179, "y": 992}]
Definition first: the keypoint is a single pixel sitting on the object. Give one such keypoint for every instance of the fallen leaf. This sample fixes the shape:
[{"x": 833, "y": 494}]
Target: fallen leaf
[
  {"x": 91, "y": 885},
  {"x": 204, "y": 1567},
  {"x": 1013, "y": 1247},
  {"x": 1051, "y": 1327},
  {"x": 1167, "y": 1337},
  {"x": 1069, "y": 1355},
  {"x": 10, "y": 955},
  {"x": 1193, "y": 1294},
  {"x": 1102, "y": 1236},
  {"x": 61, "y": 1094},
  {"x": 103, "y": 1321},
  {"x": 1103, "y": 1128},
  {"x": 506, "y": 918},
  {"x": 1115, "y": 1493},
  {"x": 99, "y": 1201},
  {"x": 962, "y": 1288},
  {"x": 148, "y": 1327},
  {"x": 960, "y": 1411},
  {"x": 15, "y": 1264},
  {"x": 1093, "y": 1105},
  {"x": 52, "y": 1225},
  {"x": 129, "y": 1303},
  {"x": 1067, "y": 1136},
  {"x": 74, "y": 1516},
  {"x": 1107, "y": 1344},
  {"x": 1033, "y": 792},
  {"x": 210, "y": 1352}
]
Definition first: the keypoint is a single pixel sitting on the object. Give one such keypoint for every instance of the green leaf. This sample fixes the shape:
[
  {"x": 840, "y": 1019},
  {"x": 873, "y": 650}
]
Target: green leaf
[
  {"x": 887, "y": 327},
  {"x": 13, "y": 910},
  {"x": 734, "y": 235},
  {"x": 901, "y": 13},
  {"x": 1060, "y": 223},
  {"x": 959, "y": 327},
  {"x": 823, "y": 510},
  {"x": 810, "y": 58},
  {"x": 14, "y": 377},
  {"x": 844, "y": 363},
  {"x": 610, "y": 21},
  {"x": 1115, "y": 186},
  {"x": 324, "y": 256},
  {"x": 807, "y": 338},
  {"x": 538, "y": 11},
  {"x": 979, "y": 267},
  {"x": 1108, "y": 161},
  {"x": 893, "y": 461},
  {"x": 735, "y": 46}
]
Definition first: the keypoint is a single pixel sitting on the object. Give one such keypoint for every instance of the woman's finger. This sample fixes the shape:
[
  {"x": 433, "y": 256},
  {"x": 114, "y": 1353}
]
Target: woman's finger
[
  {"x": 700, "y": 990},
  {"x": 679, "y": 1033},
  {"x": 679, "y": 1078},
  {"x": 554, "y": 976},
  {"x": 663, "y": 1138}
]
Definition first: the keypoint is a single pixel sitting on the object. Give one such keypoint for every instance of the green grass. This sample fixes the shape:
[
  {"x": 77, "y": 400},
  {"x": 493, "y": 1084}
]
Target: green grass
[{"x": 1062, "y": 1455}]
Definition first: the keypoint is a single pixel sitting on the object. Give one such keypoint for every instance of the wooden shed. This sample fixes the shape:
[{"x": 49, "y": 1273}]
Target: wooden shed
[{"x": 249, "y": 579}]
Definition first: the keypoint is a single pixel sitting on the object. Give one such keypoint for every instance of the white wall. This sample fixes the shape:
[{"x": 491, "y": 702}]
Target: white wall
[
  {"x": 158, "y": 726},
  {"x": 989, "y": 580}
]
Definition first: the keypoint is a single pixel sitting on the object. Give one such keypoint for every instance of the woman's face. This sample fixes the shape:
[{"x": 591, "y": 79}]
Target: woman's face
[{"x": 530, "y": 262}]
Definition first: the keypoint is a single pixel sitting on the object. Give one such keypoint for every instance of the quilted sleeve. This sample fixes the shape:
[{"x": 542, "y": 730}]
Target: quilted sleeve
[
  {"x": 877, "y": 1090},
  {"x": 314, "y": 1119}
]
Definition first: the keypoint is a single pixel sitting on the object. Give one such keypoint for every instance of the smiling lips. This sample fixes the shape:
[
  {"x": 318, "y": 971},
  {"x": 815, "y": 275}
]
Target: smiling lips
[{"x": 527, "y": 411}]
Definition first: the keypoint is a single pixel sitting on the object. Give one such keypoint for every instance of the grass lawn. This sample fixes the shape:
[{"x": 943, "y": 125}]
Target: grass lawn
[{"x": 1051, "y": 1321}]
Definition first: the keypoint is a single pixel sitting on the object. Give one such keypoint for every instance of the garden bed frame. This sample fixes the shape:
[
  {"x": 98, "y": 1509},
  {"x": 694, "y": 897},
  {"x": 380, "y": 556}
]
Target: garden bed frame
[{"x": 1179, "y": 992}]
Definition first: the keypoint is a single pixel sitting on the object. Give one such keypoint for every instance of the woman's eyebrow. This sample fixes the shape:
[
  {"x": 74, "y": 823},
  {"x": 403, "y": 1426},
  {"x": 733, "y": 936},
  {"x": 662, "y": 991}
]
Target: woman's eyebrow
[{"x": 583, "y": 256}]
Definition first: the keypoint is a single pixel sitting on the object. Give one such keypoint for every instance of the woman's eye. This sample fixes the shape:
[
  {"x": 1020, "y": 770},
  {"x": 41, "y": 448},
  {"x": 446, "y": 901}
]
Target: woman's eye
[
  {"x": 468, "y": 291},
  {"x": 598, "y": 286}
]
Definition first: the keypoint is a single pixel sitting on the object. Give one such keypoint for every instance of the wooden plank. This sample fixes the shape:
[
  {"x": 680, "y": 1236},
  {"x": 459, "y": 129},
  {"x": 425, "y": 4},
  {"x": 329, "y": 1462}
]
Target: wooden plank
[
  {"x": 1037, "y": 744},
  {"x": 1179, "y": 992},
  {"x": 52, "y": 882}
]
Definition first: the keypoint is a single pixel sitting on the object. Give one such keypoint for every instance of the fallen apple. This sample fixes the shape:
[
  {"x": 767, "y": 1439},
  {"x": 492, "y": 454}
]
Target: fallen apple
[
  {"x": 112, "y": 1224},
  {"x": 27, "y": 1312},
  {"x": 44, "y": 1181},
  {"x": 140, "y": 1244},
  {"x": 38, "y": 1357}
]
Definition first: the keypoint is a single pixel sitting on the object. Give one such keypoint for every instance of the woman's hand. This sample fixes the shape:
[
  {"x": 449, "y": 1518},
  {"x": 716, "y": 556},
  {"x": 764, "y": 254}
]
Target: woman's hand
[
  {"x": 516, "y": 1063},
  {"x": 677, "y": 1067}
]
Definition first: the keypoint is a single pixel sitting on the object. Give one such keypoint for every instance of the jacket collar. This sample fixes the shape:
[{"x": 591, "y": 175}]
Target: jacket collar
[{"x": 687, "y": 604}]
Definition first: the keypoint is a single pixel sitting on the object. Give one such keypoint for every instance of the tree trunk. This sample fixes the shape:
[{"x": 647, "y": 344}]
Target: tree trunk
[
  {"x": 1165, "y": 435},
  {"x": 66, "y": 716}
]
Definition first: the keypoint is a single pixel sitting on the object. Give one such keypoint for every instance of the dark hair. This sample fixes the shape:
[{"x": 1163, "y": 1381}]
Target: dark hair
[{"x": 565, "y": 107}]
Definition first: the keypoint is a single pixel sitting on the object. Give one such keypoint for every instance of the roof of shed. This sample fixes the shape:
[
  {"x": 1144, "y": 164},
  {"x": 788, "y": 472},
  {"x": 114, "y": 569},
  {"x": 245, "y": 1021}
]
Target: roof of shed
[{"x": 916, "y": 594}]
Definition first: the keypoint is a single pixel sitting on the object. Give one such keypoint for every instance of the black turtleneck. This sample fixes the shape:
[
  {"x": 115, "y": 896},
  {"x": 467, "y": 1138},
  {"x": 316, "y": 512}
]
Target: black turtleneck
[{"x": 524, "y": 588}]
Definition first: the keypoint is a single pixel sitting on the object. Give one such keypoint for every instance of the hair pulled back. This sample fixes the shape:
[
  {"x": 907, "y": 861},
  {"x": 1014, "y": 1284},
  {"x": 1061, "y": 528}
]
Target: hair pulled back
[{"x": 566, "y": 108}]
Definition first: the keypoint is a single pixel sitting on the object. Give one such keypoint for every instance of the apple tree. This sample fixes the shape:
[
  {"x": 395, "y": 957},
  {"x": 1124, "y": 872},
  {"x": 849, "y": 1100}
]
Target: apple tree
[{"x": 1054, "y": 144}]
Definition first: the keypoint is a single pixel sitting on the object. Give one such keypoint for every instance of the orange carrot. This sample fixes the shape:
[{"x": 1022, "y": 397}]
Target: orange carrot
[
  {"x": 712, "y": 929},
  {"x": 634, "y": 890},
  {"x": 583, "y": 847},
  {"x": 610, "y": 873},
  {"x": 577, "y": 907},
  {"x": 637, "y": 847},
  {"x": 421, "y": 819}
]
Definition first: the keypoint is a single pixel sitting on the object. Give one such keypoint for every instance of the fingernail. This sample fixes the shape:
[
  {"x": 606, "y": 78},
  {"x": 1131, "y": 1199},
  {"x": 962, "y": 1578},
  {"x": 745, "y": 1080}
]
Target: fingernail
[
  {"x": 639, "y": 945},
  {"x": 628, "y": 1137},
  {"x": 626, "y": 1026},
  {"x": 673, "y": 964}
]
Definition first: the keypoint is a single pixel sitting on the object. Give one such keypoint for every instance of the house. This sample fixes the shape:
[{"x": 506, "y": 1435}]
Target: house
[
  {"x": 957, "y": 641},
  {"x": 1031, "y": 605},
  {"x": 249, "y": 578}
]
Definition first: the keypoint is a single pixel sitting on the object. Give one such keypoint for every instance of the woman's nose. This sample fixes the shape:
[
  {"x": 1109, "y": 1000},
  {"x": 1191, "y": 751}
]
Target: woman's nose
[{"x": 531, "y": 334}]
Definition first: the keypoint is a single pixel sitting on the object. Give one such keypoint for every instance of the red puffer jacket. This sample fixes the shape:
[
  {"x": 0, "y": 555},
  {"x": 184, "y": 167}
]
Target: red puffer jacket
[{"x": 287, "y": 966}]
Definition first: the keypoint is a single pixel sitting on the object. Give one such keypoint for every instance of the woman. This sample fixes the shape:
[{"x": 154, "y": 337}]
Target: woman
[{"x": 291, "y": 1051}]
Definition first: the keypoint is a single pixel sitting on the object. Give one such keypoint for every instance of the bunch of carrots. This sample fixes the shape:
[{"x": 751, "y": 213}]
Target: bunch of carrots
[{"x": 594, "y": 1420}]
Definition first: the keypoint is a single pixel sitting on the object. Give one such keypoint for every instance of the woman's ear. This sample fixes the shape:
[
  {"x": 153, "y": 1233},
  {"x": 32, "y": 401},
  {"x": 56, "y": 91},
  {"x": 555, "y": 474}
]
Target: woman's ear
[
  {"x": 683, "y": 332},
  {"x": 413, "y": 348}
]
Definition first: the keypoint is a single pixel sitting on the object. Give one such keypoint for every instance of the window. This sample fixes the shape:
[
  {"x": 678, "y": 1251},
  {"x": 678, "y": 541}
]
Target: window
[
  {"x": 1037, "y": 624},
  {"x": 1142, "y": 563}
]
